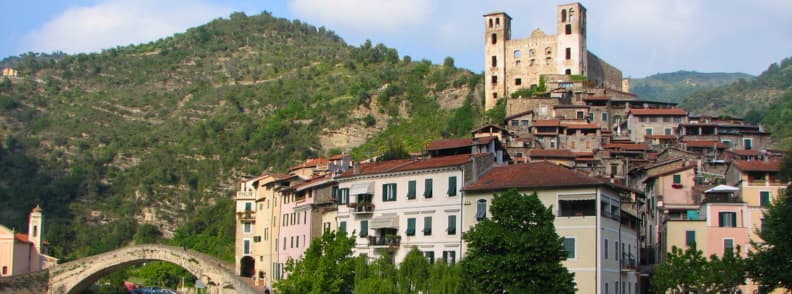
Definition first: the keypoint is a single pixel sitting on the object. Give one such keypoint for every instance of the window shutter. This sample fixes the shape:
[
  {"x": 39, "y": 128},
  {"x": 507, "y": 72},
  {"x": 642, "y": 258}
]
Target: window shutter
[
  {"x": 410, "y": 227},
  {"x": 452, "y": 186},
  {"x": 364, "y": 228},
  {"x": 384, "y": 192},
  {"x": 427, "y": 226},
  {"x": 428, "y": 188},
  {"x": 411, "y": 190},
  {"x": 734, "y": 219}
]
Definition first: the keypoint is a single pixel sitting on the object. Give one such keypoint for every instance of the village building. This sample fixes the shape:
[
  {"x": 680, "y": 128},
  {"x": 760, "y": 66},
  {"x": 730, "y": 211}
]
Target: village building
[{"x": 22, "y": 253}]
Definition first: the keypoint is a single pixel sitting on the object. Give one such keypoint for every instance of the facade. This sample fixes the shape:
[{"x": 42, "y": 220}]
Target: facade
[
  {"x": 513, "y": 64},
  {"x": 9, "y": 72},
  {"x": 600, "y": 232},
  {"x": 23, "y": 253},
  {"x": 650, "y": 123},
  {"x": 393, "y": 206}
]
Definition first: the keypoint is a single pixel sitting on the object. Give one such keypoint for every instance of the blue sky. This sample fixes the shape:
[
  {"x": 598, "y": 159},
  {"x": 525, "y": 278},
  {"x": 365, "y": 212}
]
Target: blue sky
[{"x": 641, "y": 37}]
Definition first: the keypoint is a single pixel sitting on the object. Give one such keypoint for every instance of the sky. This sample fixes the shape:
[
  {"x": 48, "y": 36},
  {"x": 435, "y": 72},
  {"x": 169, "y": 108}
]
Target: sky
[{"x": 640, "y": 37}]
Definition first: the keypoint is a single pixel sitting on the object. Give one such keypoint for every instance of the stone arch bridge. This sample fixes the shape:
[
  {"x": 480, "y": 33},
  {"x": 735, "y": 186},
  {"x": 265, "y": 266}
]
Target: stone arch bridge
[{"x": 76, "y": 276}]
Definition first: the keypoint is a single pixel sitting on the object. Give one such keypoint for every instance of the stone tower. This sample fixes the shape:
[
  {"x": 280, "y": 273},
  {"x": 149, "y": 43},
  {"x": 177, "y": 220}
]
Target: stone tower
[
  {"x": 34, "y": 227},
  {"x": 497, "y": 27},
  {"x": 571, "y": 39}
]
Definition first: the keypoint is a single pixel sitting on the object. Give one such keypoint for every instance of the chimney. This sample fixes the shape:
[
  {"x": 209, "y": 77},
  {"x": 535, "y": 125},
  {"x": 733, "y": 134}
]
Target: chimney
[{"x": 355, "y": 167}]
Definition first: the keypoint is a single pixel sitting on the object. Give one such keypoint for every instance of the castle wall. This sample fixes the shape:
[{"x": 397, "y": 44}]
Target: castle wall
[{"x": 603, "y": 73}]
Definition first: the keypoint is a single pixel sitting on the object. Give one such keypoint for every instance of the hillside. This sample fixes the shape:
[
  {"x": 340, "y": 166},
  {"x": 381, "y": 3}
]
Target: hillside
[
  {"x": 157, "y": 132},
  {"x": 767, "y": 99},
  {"x": 672, "y": 87}
]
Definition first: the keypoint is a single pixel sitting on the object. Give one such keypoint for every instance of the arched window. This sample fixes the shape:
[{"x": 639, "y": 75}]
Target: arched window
[
  {"x": 490, "y": 22},
  {"x": 563, "y": 15},
  {"x": 548, "y": 51},
  {"x": 531, "y": 52},
  {"x": 497, "y": 22},
  {"x": 494, "y": 38}
]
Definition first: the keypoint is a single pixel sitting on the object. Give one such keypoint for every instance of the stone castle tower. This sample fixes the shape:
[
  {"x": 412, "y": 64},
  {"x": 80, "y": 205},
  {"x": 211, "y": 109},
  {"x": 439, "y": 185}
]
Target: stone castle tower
[{"x": 511, "y": 65}]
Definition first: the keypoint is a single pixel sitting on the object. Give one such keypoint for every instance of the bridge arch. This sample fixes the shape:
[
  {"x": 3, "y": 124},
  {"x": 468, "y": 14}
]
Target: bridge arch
[{"x": 75, "y": 276}]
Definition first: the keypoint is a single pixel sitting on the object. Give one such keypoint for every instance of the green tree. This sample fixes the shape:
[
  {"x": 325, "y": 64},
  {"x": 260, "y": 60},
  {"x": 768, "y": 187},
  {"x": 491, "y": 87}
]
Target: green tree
[
  {"x": 413, "y": 272},
  {"x": 688, "y": 270},
  {"x": 497, "y": 113},
  {"x": 445, "y": 278},
  {"x": 771, "y": 262},
  {"x": 147, "y": 233},
  {"x": 517, "y": 250},
  {"x": 327, "y": 267},
  {"x": 378, "y": 277}
]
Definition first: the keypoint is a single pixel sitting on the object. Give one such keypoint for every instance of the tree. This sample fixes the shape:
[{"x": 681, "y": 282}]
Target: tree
[
  {"x": 445, "y": 278},
  {"x": 688, "y": 271},
  {"x": 517, "y": 250},
  {"x": 413, "y": 272},
  {"x": 326, "y": 267},
  {"x": 378, "y": 277},
  {"x": 771, "y": 262}
]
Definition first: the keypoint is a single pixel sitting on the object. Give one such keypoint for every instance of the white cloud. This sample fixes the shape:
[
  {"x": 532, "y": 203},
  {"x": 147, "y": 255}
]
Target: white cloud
[
  {"x": 364, "y": 16},
  {"x": 118, "y": 23}
]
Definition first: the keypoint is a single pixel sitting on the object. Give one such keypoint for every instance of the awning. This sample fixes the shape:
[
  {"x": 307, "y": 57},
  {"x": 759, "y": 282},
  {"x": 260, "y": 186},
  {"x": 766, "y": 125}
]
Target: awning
[
  {"x": 578, "y": 197},
  {"x": 384, "y": 222},
  {"x": 723, "y": 189},
  {"x": 362, "y": 188}
]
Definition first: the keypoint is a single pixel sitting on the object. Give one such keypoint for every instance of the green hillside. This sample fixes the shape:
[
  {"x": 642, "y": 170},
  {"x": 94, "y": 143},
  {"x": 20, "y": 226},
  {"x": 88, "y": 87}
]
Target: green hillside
[
  {"x": 159, "y": 132},
  {"x": 672, "y": 87}
]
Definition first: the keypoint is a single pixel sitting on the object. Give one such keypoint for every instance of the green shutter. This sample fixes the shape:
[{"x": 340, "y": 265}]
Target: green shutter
[
  {"x": 427, "y": 226},
  {"x": 428, "y": 188},
  {"x": 764, "y": 198},
  {"x": 721, "y": 216},
  {"x": 393, "y": 193},
  {"x": 690, "y": 238},
  {"x": 677, "y": 179},
  {"x": 569, "y": 247},
  {"x": 384, "y": 192},
  {"x": 452, "y": 224},
  {"x": 452, "y": 186},
  {"x": 410, "y": 227},
  {"x": 364, "y": 228},
  {"x": 411, "y": 190},
  {"x": 734, "y": 219},
  {"x": 341, "y": 227}
]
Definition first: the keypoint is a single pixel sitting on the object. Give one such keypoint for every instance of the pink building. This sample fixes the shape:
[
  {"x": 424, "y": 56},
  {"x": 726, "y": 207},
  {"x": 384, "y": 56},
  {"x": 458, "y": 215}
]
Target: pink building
[{"x": 23, "y": 253}]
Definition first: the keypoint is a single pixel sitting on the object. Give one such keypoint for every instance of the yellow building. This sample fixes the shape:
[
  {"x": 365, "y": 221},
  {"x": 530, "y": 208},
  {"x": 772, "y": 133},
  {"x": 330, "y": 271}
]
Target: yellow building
[
  {"x": 600, "y": 232},
  {"x": 9, "y": 72}
]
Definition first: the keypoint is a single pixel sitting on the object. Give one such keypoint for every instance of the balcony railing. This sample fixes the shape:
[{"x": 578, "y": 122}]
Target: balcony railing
[
  {"x": 247, "y": 216},
  {"x": 628, "y": 262},
  {"x": 390, "y": 241},
  {"x": 364, "y": 208}
]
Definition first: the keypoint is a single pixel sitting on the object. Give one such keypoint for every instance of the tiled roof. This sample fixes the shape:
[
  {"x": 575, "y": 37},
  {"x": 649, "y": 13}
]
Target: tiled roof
[
  {"x": 547, "y": 123},
  {"x": 411, "y": 164},
  {"x": 592, "y": 98},
  {"x": 706, "y": 144},
  {"x": 659, "y": 111},
  {"x": 315, "y": 181},
  {"x": 742, "y": 152},
  {"x": 337, "y": 157},
  {"x": 758, "y": 165},
  {"x": 572, "y": 106},
  {"x": 550, "y": 153},
  {"x": 660, "y": 137},
  {"x": 668, "y": 172},
  {"x": 627, "y": 146},
  {"x": 532, "y": 175},
  {"x": 582, "y": 126},
  {"x": 310, "y": 163},
  {"x": 457, "y": 143}
]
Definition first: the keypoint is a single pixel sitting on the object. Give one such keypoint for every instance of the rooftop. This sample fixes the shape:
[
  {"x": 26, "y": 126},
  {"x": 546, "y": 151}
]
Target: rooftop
[
  {"x": 458, "y": 143},
  {"x": 659, "y": 111},
  {"x": 758, "y": 165},
  {"x": 532, "y": 175}
]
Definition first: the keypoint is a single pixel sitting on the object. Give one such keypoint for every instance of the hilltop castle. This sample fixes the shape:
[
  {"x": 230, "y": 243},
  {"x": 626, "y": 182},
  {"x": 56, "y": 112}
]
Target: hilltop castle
[{"x": 511, "y": 65}]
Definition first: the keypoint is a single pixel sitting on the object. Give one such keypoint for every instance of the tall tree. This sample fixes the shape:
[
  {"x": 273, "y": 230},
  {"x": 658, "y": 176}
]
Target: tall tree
[
  {"x": 517, "y": 250},
  {"x": 413, "y": 272},
  {"x": 771, "y": 262},
  {"x": 378, "y": 277},
  {"x": 327, "y": 267},
  {"x": 445, "y": 278},
  {"x": 688, "y": 270}
]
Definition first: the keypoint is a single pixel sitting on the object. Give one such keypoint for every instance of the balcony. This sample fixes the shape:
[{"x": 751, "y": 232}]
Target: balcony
[
  {"x": 364, "y": 208},
  {"x": 390, "y": 242},
  {"x": 247, "y": 216},
  {"x": 628, "y": 262}
]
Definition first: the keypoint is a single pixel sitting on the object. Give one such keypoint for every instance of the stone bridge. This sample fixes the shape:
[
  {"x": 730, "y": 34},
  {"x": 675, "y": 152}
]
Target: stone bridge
[{"x": 78, "y": 275}]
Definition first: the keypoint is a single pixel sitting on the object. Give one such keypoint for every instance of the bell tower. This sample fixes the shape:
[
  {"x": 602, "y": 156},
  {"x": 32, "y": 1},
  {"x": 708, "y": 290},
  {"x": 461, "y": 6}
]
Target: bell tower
[
  {"x": 34, "y": 227},
  {"x": 497, "y": 28},
  {"x": 571, "y": 36}
]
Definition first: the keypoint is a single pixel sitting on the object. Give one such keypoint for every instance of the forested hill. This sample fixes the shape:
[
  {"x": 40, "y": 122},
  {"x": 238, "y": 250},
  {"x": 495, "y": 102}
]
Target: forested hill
[
  {"x": 767, "y": 99},
  {"x": 672, "y": 87},
  {"x": 153, "y": 133}
]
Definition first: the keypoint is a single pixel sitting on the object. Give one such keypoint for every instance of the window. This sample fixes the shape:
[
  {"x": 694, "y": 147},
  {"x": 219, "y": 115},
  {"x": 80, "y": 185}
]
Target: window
[
  {"x": 35, "y": 230},
  {"x": 248, "y": 206},
  {"x": 291, "y": 242},
  {"x": 494, "y": 38},
  {"x": 642, "y": 119},
  {"x": 591, "y": 116},
  {"x": 285, "y": 220},
  {"x": 606, "y": 288},
  {"x": 494, "y": 61},
  {"x": 575, "y": 206},
  {"x": 604, "y": 116},
  {"x": 616, "y": 250},
  {"x": 490, "y": 22},
  {"x": 481, "y": 209},
  {"x": 428, "y": 188},
  {"x": 649, "y": 131},
  {"x": 748, "y": 143},
  {"x": 525, "y": 123},
  {"x": 569, "y": 247},
  {"x": 727, "y": 142},
  {"x": 410, "y": 227},
  {"x": 728, "y": 245},
  {"x": 411, "y": 190},
  {"x": 668, "y": 131},
  {"x": 568, "y": 72},
  {"x": 563, "y": 15},
  {"x": 429, "y": 255},
  {"x": 363, "y": 228},
  {"x": 580, "y": 115},
  {"x": 326, "y": 226},
  {"x": 427, "y": 226},
  {"x": 389, "y": 192},
  {"x": 449, "y": 257},
  {"x": 677, "y": 179},
  {"x": 342, "y": 226},
  {"x": 518, "y": 81},
  {"x": 531, "y": 52},
  {"x": 246, "y": 246},
  {"x": 452, "y": 186},
  {"x": 5, "y": 270},
  {"x": 690, "y": 238},
  {"x": 343, "y": 196},
  {"x": 727, "y": 219},
  {"x": 517, "y": 53},
  {"x": 764, "y": 198},
  {"x": 276, "y": 243},
  {"x": 515, "y": 123},
  {"x": 606, "y": 248},
  {"x": 548, "y": 51},
  {"x": 568, "y": 29},
  {"x": 246, "y": 228},
  {"x": 568, "y": 53},
  {"x": 495, "y": 80},
  {"x": 452, "y": 224}
]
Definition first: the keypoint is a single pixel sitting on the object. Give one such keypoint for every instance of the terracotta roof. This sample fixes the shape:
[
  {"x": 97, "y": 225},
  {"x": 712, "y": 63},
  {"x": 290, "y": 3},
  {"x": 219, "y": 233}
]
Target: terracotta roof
[
  {"x": 584, "y": 156},
  {"x": 602, "y": 98},
  {"x": 627, "y": 146},
  {"x": 412, "y": 164},
  {"x": 582, "y": 126},
  {"x": 532, "y": 175},
  {"x": 550, "y": 153},
  {"x": 746, "y": 152},
  {"x": 315, "y": 181},
  {"x": 668, "y": 172},
  {"x": 706, "y": 144},
  {"x": 310, "y": 163},
  {"x": 572, "y": 106},
  {"x": 758, "y": 165},
  {"x": 25, "y": 239},
  {"x": 337, "y": 157},
  {"x": 660, "y": 137},
  {"x": 659, "y": 111},
  {"x": 547, "y": 123},
  {"x": 457, "y": 143}
]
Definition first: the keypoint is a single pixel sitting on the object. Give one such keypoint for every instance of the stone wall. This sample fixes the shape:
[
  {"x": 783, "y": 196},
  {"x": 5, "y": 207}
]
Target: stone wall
[{"x": 603, "y": 73}]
